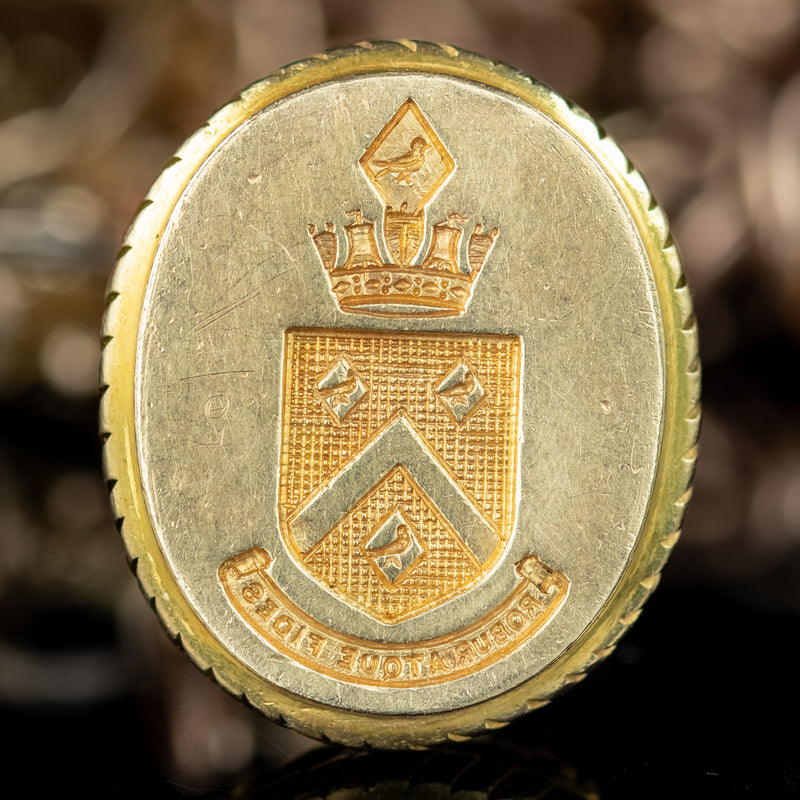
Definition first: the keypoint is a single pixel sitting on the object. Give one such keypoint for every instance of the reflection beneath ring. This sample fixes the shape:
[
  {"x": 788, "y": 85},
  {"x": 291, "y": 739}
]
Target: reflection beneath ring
[{"x": 495, "y": 767}]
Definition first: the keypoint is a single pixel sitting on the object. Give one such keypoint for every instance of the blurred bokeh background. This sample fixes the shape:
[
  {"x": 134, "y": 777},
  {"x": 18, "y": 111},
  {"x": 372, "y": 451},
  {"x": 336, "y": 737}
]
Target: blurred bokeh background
[{"x": 95, "y": 95}]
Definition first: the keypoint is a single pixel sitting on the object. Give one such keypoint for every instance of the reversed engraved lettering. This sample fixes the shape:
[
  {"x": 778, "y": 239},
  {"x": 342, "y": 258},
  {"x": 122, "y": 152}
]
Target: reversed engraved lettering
[
  {"x": 217, "y": 406},
  {"x": 347, "y": 658},
  {"x": 273, "y": 616},
  {"x": 315, "y": 643}
]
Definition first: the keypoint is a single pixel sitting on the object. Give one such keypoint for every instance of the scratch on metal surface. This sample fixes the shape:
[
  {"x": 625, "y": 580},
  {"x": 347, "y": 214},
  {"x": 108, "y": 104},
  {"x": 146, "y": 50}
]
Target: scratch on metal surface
[
  {"x": 241, "y": 372},
  {"x": 273, "y": 241},
  {"x": 217, "y": 315}
]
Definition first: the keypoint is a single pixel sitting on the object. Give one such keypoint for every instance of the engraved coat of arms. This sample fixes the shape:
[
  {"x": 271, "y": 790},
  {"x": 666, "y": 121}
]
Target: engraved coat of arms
[
  {"x": 399, "y": 448},
  {"x": 398, "y": 462}
]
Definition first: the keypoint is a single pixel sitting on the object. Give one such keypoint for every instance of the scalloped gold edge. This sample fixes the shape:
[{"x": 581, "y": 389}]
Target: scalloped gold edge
[{"x": 672, "y": 485}]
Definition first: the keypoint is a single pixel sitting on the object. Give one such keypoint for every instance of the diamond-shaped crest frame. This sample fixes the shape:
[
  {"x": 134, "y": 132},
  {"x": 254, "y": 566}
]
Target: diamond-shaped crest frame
[{"x": 407, "y": 163}]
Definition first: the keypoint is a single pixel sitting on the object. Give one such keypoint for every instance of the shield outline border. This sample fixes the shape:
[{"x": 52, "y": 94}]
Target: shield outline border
[{"x": 285, "y": 515}]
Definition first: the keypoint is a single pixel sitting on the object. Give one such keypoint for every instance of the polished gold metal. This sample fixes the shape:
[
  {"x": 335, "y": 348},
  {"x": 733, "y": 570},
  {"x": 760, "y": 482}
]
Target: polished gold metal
[
  {"x": 401, "y": 394},
  {"x": 391, "y": 421}
]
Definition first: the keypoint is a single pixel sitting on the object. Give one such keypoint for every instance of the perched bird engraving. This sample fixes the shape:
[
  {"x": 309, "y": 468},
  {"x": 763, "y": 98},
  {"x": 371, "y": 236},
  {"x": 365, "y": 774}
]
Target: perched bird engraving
[
  {"x": 342, "y": 393},
  {"x": 341, "y": 390},
  {"x": 404, "y": 166},
  {"x": 391, "y": 552},
  {"x": 461, "y": 391}
]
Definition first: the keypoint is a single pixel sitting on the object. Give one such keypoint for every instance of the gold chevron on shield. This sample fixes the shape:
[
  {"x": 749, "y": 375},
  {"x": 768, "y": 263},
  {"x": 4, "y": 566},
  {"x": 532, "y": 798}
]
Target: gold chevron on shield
[{"x": 398, "y": 462}]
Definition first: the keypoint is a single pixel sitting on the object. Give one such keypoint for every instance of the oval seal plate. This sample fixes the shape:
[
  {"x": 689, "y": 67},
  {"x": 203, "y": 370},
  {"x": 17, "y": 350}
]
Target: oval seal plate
[{"x": 400, "y": 394}]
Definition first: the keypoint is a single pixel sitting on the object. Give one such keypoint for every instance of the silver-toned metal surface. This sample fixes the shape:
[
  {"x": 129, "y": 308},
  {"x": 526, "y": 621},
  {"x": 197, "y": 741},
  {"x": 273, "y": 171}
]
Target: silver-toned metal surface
[{"x": 404, "y": 391}]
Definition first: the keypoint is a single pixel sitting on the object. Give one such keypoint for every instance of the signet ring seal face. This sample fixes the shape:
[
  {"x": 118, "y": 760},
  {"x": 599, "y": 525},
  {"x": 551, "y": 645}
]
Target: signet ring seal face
[{"x": 400, "y": 394}]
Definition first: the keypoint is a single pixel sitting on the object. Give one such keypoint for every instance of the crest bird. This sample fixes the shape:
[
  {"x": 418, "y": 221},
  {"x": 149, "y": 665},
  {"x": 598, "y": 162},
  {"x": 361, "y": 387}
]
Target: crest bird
[
  {"x": 392, "y": 551},
  {"x": 341, "y": 393},
  {"x": 463, "y": 389},
  {"x": 404, "y": 166}
]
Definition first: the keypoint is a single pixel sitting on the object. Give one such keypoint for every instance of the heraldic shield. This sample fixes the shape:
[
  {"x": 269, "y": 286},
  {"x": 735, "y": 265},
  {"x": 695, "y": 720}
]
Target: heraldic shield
[{"x": 428, "y": 421}]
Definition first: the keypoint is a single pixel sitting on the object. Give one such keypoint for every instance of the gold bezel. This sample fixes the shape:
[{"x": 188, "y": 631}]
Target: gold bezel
[{"x": 672, "y": 485}]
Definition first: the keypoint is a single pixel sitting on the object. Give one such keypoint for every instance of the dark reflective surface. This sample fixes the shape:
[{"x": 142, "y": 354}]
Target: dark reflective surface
[{"x": 698, "y": 702}]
